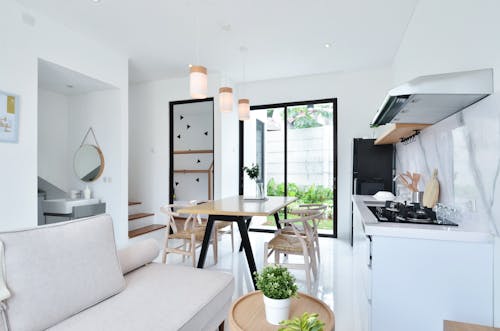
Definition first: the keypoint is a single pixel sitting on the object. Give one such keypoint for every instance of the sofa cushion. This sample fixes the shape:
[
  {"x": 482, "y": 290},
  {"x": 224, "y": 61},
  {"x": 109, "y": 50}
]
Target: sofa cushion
[
  {"x": 56, "y": 271},
  {"x": 161, "y": 297}
]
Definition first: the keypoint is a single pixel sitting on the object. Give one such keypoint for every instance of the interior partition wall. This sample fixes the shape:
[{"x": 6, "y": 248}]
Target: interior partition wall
[{"x": 295, "y": 146}]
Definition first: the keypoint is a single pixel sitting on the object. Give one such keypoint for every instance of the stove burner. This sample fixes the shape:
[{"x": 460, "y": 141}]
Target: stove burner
[{"x": 397, "y": 212}]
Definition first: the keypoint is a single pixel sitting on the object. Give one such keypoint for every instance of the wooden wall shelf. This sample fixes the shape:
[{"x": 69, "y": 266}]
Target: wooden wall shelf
[
  {"x": 398, "y": 131},
  {"x": 195, "y": 151}
]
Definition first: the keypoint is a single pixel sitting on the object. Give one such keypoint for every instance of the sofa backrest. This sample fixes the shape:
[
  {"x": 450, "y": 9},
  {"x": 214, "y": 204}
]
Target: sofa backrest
[{"x": 56, "y": 271}]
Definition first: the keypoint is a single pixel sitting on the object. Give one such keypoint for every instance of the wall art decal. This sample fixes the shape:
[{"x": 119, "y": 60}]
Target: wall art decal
[
  {"x": 179, "y": 136},
  {"x": 206, "y": 133},
  {"x": 188, "y": 126},
  {"x": 198, "y": 179},
  {"x": 182, "y": 117}
]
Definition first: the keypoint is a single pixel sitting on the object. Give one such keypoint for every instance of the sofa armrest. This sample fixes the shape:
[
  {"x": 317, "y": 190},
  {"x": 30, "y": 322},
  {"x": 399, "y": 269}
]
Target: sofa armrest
[{"x": 138, "y": 255}]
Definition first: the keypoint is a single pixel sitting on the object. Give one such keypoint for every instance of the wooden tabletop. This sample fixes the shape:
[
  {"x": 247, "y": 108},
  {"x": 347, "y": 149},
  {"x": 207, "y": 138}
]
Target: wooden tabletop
[
  {"x": 458, "y": 326},
  {"x": 247, "y": 313},
  {"x": 237, "y": 206}
]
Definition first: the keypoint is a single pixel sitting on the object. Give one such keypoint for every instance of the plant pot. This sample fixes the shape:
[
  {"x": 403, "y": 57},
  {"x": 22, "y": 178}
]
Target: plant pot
[{"x": 277, "y": 310}]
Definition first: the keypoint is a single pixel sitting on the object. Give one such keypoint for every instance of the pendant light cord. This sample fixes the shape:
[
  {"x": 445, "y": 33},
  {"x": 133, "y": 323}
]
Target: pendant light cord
[{"x": 197, "y": 27}]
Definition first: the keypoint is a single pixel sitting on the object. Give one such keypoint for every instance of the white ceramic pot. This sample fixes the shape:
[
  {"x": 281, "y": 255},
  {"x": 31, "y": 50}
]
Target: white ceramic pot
[{"x": 277, "y": 310}]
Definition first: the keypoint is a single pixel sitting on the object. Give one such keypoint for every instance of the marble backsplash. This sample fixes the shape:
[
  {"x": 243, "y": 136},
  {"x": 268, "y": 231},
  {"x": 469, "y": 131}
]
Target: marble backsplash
[{"x": 465, "y": 148}]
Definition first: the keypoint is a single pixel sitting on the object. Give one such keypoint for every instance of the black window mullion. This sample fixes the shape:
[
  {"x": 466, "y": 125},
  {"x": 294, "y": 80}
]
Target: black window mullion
[{"x": 285, "y": 140}]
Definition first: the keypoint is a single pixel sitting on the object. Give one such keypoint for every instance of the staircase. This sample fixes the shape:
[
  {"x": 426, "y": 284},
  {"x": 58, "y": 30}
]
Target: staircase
[{"x": 140, "y": 223}]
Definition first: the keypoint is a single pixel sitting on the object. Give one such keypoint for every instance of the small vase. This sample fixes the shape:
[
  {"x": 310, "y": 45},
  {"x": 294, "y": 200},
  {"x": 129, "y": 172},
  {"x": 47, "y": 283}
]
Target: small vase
[
  {"x": 259, "y": 189},
  {"x": 277, "y": 310}
]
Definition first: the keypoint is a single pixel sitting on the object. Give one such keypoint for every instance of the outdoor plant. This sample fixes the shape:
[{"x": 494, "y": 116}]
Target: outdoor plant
[
  {"x": 306, "y": 322},
  {"x": 276, "y": 282},
  {"x": 252, "y": 172}
]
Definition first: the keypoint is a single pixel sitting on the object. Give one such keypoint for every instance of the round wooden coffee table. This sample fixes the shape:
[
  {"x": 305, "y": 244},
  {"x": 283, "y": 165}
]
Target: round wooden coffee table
[{"x": 247, "y": 313}]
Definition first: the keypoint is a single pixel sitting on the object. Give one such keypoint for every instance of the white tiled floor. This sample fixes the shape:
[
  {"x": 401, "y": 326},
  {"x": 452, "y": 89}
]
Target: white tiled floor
[{"x": 334, "y": 286}]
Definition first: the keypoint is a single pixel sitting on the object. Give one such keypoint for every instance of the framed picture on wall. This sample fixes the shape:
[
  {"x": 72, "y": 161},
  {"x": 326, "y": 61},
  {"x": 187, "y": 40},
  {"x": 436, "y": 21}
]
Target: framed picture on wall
[{"x": 9, "y": 117}]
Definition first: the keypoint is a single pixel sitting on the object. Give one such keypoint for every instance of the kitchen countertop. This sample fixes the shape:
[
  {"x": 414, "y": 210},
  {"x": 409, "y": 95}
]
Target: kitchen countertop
[{"x": 473, "y": 230}]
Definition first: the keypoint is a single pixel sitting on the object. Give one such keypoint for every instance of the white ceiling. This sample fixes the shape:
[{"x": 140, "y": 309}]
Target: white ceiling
[
  {"x": 55, "y": 78},
  {"x": 284, "y": 37}
]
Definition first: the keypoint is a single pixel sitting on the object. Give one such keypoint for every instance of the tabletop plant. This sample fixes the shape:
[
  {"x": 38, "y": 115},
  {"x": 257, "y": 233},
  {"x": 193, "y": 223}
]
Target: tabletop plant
[
  {"x": 276, "y": 282},
  {"x": 252, "y": 171},
  {"x": 306, "y": 322}
]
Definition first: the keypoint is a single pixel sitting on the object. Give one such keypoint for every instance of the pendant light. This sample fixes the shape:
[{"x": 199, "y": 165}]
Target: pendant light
[
  {"x": 198, "y": 84},
  {"x": 198, "y": 80},
  {"x": 226, "y": 99},
  {"x": 244, "y": 109},
  {"x": 243, "y": 104}
]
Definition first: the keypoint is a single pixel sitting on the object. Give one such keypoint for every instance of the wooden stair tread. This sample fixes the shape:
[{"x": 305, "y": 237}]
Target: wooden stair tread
[
  {"x": 133, "y": 203},
  {"x": 144, "y": 230},
  {"x": 133, "y": 217}
]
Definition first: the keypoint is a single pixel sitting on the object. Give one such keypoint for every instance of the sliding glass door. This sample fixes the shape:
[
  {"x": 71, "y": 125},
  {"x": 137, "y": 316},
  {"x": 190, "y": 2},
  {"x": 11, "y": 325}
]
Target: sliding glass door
[{"x": 295, "y": 146}]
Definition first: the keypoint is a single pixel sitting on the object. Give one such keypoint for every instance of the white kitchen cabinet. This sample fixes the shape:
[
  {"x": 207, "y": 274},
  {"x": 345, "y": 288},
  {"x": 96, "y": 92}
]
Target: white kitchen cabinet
[{"x": 413, "y": 283}]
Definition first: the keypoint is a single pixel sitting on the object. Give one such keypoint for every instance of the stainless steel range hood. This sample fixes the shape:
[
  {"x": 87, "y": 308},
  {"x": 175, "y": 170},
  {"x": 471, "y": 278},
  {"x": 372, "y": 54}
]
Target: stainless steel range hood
[{"x": 430, "y": 99}]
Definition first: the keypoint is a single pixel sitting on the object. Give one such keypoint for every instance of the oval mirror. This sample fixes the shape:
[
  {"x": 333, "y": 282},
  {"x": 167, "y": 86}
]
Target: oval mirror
[{"x": 88, "y": 163}]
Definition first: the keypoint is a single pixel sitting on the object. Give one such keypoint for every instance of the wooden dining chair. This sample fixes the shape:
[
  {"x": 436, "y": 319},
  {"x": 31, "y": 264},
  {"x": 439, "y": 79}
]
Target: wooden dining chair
[
  {"x": 191, "y": 235},
  {"x": 299, "y": 241},
  {"x": 306, "y": 210}
]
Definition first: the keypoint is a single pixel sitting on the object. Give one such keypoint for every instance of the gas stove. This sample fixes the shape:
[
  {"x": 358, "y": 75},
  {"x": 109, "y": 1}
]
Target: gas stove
[{"x": 414, "y": 213}]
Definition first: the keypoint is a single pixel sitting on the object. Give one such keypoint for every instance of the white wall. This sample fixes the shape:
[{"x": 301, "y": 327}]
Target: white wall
[
  {"x": 358, "y": 93},
  {"x": 99, "y": 110},
  {"x": 53, "y": 138},
  {"x": 149, "y": 142},
  {"x": 21, "y": 46},
  {"x": 446, "y": 36}
]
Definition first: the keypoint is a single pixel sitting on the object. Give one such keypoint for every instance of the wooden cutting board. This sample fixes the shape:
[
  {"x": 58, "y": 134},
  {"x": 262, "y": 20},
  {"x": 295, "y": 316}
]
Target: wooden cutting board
[{"x": 431, "y": 192}]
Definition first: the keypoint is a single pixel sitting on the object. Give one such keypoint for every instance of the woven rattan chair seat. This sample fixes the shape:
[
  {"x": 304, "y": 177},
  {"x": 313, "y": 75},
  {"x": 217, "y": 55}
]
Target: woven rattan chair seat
[{"x": 286, "y": 243}]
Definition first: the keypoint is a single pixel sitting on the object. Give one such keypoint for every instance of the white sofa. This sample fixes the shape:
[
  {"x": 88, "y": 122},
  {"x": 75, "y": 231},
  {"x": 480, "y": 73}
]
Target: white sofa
[{"x": 69, "y": 276}]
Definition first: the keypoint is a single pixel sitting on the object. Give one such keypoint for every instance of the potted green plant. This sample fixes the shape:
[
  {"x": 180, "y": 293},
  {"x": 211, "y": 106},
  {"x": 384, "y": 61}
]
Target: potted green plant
[
  {"x": 278, "y": 286},
  {"x": 253, "y": 173},
  {"x": 306, "y": 322}
]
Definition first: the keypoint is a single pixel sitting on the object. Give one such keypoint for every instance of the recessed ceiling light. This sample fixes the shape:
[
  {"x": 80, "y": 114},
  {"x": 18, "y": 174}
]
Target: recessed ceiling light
[
  {"x": 96, "y": 1},
  {"x": 190, "y": 65},
  {"x": 328, "y": 45}
]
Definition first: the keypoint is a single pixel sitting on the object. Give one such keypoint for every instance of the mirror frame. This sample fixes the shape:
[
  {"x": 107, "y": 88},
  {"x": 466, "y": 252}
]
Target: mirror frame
[{"x": 101, "y": 157}]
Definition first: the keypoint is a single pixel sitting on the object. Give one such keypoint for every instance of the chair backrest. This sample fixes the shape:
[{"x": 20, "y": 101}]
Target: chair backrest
[
  {"x": 304, "y": 222},
  {"x": 168, "y": 210}
]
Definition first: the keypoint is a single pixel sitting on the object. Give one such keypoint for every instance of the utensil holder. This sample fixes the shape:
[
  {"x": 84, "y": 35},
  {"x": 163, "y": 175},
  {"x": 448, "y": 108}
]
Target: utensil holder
[{"x": 417, "y": 197}]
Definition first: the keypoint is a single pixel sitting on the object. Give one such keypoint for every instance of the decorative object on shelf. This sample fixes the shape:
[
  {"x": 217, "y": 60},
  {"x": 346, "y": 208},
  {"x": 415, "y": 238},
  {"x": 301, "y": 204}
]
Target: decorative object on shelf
[
  {"x": 87, "y": 193},
  {"x": 226, "y": 99},
  {"x": 253, "y": 173},
  {"x": 431, "y": 193},
  {"x": 9, "y": 117},
  {"x": 88, "y": 162},
  {"x": 198, "y": 82},
  {"x": 278, "y": 286},
  {"x": 306, "y": 322}
]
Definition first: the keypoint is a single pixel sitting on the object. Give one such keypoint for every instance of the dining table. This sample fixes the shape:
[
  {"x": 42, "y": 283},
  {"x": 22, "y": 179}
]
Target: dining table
[{"x": 240, "y": 210}]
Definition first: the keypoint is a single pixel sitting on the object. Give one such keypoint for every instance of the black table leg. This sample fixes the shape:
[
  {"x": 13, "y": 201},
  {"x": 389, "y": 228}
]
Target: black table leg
[
  {"x": 277, "y": 220},
  {"x": 248, "y": 221},
  {"x": 245, "y": 241},
  {"x": 206, "y": 241}
]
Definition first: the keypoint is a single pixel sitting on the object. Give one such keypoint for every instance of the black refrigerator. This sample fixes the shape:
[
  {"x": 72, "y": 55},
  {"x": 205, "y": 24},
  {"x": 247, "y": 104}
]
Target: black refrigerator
[{"x": 373, "y": 168}]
